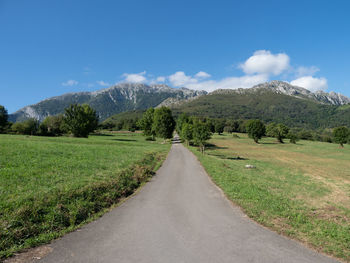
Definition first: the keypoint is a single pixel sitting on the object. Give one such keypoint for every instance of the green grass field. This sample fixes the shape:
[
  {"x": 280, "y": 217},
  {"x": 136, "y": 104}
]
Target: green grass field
[
  {"x": 302, "y": 190},
  {"x": 51, "y": 185}
]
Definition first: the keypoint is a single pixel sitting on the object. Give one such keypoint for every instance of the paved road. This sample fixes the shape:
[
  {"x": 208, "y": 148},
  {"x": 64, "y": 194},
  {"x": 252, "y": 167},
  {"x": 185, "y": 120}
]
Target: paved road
[{"x": 180, "y": 216}]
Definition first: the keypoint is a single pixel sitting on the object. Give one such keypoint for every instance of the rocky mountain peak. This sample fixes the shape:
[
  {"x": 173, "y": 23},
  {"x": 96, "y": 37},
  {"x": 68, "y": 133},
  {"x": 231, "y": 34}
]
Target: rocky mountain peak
[{"x": 281, "y": 87}]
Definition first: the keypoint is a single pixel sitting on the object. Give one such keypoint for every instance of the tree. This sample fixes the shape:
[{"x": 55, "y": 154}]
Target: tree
[
  {"x": 201, "y": 133},
  {"x": 3, "y": 118},
  {"x": 211, "y": 125},
  {"x": 279, "y": 131},
  {"x": 52, "y": 125},
  {"x": 181, "y": 120},
  {"x": 187, "y": 132},
  {"x": 255, "y": 129},
  {"x": 146, "y": 123},
  {"x": 232, "y": 125},
  {"x": 28, "y": 127},
  {"x": 80, "y": 120},
  {"x": 219, "y": 126},
  {"x": 293, "y": 138},
  {"x": 163, "y": 123},
  {"x": 341, "y": 135},
  {"x": 228, "y": 129}
]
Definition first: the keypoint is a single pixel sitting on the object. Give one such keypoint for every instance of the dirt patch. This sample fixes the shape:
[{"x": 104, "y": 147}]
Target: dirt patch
[
  {"x": 31, "y": 255},
  {"x": 331, "y": 213}
]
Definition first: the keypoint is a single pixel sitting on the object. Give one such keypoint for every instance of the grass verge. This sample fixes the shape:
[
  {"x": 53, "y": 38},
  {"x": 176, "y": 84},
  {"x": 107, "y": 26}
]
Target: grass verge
[
  {"x": 50, "y": 186},
  {"x": 301, "y": 191}
]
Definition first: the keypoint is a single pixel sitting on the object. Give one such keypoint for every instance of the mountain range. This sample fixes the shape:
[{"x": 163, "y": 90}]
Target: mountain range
[
  {"x": 107, "y": 102},
  {"x": 271, "y": 101}
]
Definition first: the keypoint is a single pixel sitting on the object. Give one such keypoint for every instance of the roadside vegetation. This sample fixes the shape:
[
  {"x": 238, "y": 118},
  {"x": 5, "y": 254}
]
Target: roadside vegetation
[
  {"x": 301, "y": 190},
  {"x": 51, "y": 185}
]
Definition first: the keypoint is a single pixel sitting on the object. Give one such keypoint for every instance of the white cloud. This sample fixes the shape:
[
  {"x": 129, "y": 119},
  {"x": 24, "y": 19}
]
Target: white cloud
[
  {"x": 160, "y": 79},
  {"x": 70, "y": 82},
  {"x": 306, "y": 71},
  {"x": 102, "y": 83},
  {"x": 135, "y": 77},
  {"x": 258, "y": 68},
  {"x": 181, "y": 79},
  {"x": 311, "y": 83},
  {"x": 264, "y": 62},
  {"x": 229, "y": 83},
  {"x": 202, "y": 74}
]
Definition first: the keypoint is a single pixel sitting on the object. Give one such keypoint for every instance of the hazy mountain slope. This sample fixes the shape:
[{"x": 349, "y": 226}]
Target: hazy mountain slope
[{"x": 107, "y": 102}]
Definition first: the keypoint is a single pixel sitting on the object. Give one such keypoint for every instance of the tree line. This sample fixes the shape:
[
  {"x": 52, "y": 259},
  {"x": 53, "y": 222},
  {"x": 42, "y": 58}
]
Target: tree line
[
  {"x": 78, "y": 120},
  {"x": 160, "y": 123}
]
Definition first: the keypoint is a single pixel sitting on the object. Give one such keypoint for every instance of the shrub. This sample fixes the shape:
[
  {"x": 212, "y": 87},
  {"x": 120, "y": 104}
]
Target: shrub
[{"x": 28, "y": 127}]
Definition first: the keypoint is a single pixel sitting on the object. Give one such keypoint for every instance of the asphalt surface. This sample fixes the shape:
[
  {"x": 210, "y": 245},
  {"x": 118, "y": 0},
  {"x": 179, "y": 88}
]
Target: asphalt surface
[{"x": 180, "y": 216}]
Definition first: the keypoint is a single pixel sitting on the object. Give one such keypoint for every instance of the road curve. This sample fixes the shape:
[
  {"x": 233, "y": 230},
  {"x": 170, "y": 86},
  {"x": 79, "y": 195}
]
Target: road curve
[{"x": 180, "y": 216}]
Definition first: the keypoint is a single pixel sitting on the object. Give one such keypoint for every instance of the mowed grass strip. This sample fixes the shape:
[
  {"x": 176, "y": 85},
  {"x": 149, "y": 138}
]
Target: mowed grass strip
[
  {"x": 302, "y": 190},
  {"x": 51, "y": 185}
]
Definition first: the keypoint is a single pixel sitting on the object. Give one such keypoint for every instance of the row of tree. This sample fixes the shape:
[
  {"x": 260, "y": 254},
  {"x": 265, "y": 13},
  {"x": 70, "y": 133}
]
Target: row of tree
[
  {"x": 279, "y": 131},
  {"x": 256, "y": 129},
  {"x": 78, "y": 120}
]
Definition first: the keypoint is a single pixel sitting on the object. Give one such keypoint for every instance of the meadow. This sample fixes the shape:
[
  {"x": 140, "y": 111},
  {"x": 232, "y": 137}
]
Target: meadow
[
  {"x": 299, "y": 190},
  {"x": 51, "y": 185}
]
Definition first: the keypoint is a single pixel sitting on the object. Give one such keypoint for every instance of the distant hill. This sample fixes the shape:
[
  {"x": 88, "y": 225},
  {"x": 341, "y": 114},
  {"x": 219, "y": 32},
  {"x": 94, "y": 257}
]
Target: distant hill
[
  {"x": 110, "y": 101},
  {"x": 273, "y": 102}
]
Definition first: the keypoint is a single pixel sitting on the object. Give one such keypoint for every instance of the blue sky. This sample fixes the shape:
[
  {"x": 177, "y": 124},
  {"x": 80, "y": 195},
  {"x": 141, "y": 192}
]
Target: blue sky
[{"x": 48, "y": 48}]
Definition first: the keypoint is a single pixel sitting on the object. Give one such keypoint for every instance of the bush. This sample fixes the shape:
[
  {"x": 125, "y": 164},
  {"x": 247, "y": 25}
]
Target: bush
[
  {"x": 28, "y": 127},
  {"x": 52, "y": 126}
]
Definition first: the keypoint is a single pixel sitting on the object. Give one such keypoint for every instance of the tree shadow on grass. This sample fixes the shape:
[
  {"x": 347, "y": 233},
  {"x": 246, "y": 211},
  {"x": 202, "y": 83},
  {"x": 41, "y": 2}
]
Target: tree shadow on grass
[
  {"x": 124, "y": 140},
  {"x": 211, "y": 146},
  {"x": 225, "y": 157},
  {"x": 102, "y": 134}
]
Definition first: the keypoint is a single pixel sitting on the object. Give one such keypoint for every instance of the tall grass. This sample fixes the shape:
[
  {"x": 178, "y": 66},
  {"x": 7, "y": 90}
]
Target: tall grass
[
  {"x": 52, "y": 185},
  {"x": 301, "y": 191}
]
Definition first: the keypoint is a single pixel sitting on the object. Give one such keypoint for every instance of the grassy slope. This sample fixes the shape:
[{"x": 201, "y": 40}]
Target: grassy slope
[
  {"x": 133, "y": 115},
  {"x": 49, "y": 185},
  {"x": 302, "y": 190},
  {"x": 269, "y": 107}
]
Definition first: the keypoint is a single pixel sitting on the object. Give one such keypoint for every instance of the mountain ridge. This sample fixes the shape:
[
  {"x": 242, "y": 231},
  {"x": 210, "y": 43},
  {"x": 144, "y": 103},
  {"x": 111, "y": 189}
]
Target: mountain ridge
[
  {"x": 281, "y": 87},
  {"x": 107, "y": 102},
  {"x": 137, "y": 96}
]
